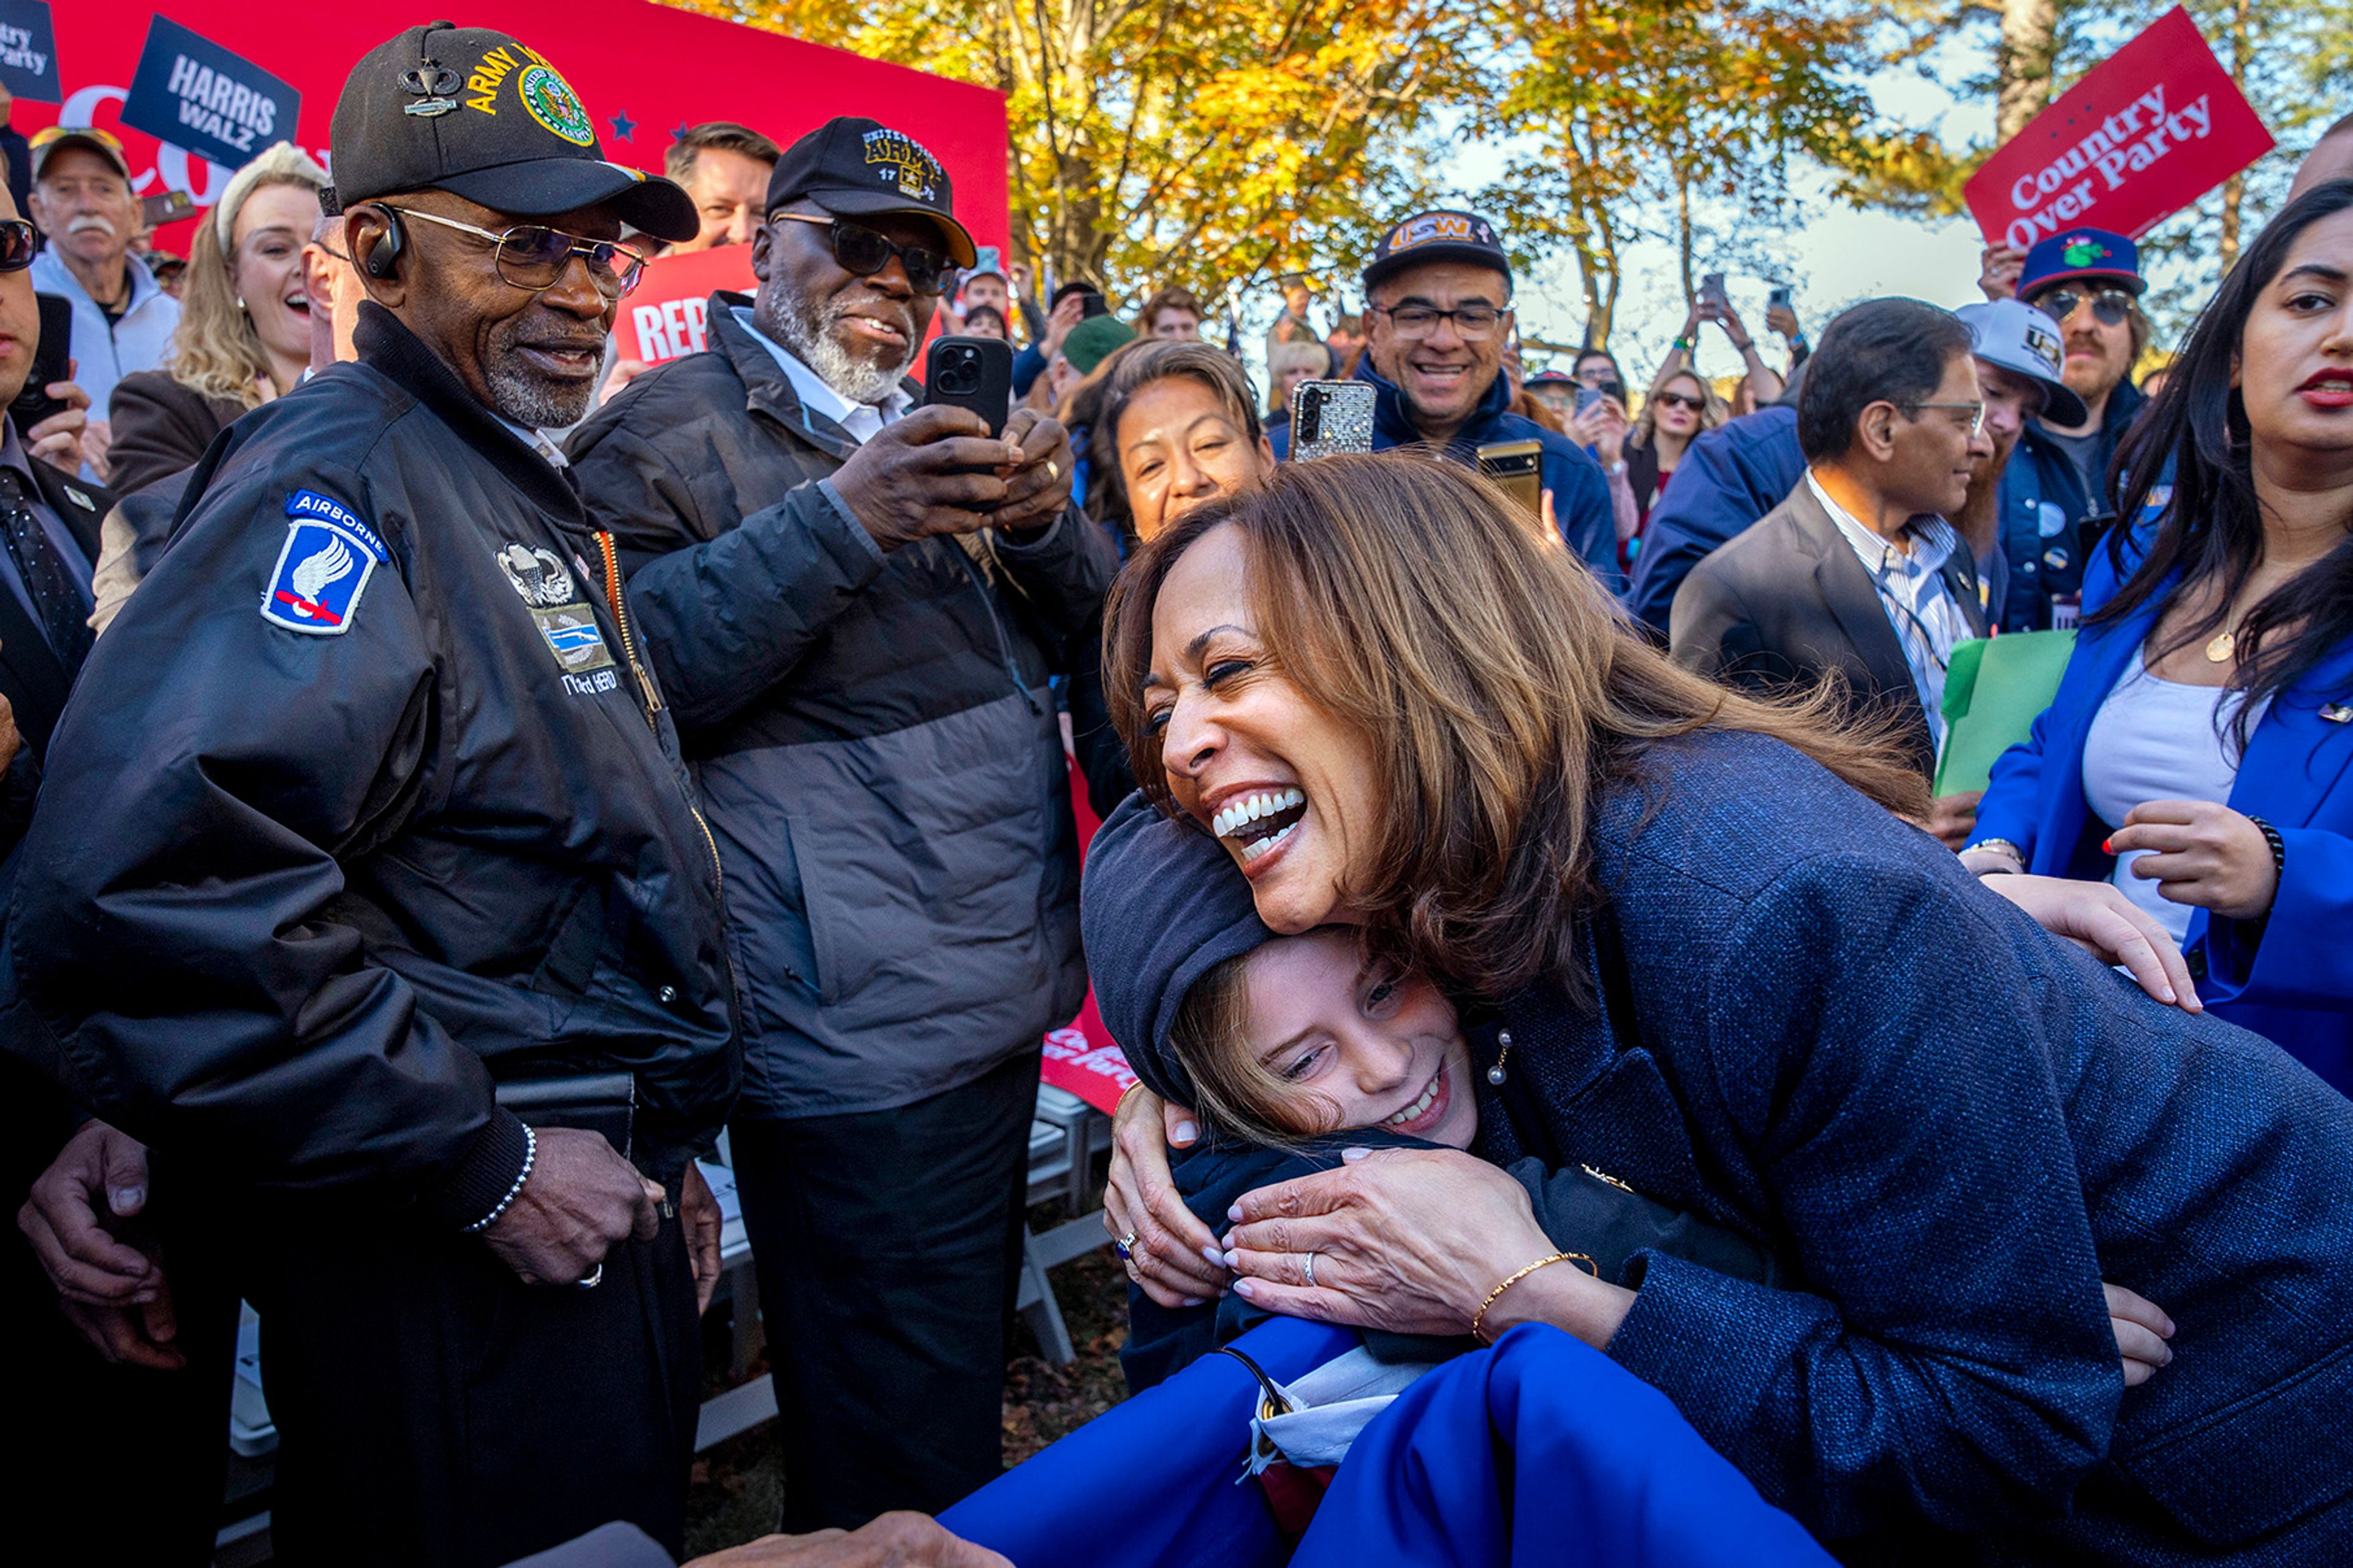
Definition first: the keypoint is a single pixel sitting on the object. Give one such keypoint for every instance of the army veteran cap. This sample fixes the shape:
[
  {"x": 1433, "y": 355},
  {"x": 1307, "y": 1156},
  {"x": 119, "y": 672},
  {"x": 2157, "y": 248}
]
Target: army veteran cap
[
  {"x": 862, "y": 168},
  {"x": 475, "y": 112}
]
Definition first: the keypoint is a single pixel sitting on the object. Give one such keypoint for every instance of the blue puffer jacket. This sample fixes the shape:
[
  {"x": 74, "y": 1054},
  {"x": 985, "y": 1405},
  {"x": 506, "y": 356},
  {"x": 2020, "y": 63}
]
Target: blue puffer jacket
[
  {"x": 1731, "y": 476},
  {"x": 1580, "y": 494}
]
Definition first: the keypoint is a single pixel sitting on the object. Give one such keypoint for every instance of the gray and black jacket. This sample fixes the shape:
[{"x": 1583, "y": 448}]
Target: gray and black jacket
[{"x": 876, "y": 747}]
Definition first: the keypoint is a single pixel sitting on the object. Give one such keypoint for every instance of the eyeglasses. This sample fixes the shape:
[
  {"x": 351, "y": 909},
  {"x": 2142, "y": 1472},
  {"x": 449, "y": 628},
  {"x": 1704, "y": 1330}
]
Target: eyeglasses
[
  {"x": 15, "y": 245},
  {"x": 1682, "y": 400},
  {"x": 1976, "y": 411},
  {"x": 863, "y": 252},
  {"x": 533, "y": 256},
  {"x": 2109, "y": 306},
  {"x": 1414, "y": 322}
]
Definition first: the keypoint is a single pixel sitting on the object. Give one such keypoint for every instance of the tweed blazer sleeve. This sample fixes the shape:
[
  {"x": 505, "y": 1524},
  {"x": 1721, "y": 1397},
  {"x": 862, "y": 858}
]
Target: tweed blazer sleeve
[{"x": 1864, "y": 1056}]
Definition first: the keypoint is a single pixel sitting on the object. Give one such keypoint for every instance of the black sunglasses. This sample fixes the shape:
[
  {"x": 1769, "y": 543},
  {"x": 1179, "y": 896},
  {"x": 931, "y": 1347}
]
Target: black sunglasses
[
  {"x": 1683, "y": 400},
  {"x": 2109, "y": 306},
  {"x": 863, "y": 252},
  {"x": 15, "y": 245}
]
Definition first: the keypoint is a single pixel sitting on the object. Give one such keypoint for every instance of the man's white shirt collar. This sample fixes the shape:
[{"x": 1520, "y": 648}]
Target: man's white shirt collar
[{"x": 859, "y": 421}]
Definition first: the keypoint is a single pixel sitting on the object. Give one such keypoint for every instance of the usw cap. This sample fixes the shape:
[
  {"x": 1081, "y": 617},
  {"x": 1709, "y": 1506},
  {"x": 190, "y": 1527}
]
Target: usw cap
[
  {"x": 480, "y": 114},
  {"x": 1442, "y": 236},
  {"x": 862, "y": 168}
]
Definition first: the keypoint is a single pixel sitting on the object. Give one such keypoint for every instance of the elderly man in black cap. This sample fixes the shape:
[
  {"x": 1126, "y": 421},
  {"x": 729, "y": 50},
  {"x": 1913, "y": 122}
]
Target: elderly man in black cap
[
  {"x": 856, "y": 605},
  {"x": 381, "y": 909}
]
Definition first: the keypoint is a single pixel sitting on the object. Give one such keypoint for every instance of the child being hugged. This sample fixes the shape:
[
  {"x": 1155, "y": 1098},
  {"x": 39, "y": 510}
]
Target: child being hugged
[{"x": 1293, "y": 1050}]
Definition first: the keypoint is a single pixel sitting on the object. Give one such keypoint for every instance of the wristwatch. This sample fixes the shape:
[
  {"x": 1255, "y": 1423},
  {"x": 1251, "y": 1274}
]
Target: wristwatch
[{"x": 2000, "y": 847}]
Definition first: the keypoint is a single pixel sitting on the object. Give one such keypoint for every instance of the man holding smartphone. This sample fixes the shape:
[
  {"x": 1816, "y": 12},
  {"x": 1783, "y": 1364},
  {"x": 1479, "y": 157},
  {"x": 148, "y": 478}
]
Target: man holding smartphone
[
  {"x": 1438, "y": 314},
  {"x": 855, "y": 604}
]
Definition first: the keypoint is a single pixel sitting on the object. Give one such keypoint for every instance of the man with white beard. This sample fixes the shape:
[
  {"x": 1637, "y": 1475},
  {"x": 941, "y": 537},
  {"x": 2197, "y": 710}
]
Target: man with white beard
[
  {"x": 854, "y": 605},
  {"x": 122, "y": 320}
]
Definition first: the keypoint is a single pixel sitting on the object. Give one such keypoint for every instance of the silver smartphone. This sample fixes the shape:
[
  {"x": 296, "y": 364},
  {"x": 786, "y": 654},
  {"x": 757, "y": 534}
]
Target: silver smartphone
[{"x": 1328, "y": 416}]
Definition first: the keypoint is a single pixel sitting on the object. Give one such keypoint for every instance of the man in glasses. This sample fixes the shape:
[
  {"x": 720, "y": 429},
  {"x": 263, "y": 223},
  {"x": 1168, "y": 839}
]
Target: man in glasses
[
  {"x": 123, "y": 319},
  {"x": 2088, "y": 282},
  {"x": 1438, "y": 315},
  {"x": 372, "y": 792},
  {"x": 1858, "y": 574},
  {"x": 857, "y": 603}
]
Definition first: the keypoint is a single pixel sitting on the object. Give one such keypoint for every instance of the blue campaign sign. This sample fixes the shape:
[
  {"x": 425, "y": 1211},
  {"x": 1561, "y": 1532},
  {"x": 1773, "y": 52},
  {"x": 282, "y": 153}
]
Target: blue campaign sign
[
  {"x": 193, "y": 93},
  {"x": 28, "y": 52}
]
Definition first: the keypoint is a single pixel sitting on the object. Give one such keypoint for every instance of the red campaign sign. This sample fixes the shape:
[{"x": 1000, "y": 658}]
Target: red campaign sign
[
  {"x": 2138, "y": 140},
  {"x": 662, "y": 317},
  {"x": 643, "y": 70},
  {"x": 1082, "y": 1058}
]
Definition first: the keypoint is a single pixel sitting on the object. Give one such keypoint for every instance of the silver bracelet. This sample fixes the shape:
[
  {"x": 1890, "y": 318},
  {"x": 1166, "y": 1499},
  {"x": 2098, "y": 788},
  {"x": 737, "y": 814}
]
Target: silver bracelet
[
  {"x": 529, "y": 1153},
  {"x": 1999, "y": 846}
]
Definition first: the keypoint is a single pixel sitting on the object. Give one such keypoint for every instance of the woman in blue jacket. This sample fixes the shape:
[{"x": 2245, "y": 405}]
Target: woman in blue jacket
[{"x": 2197, "y": 753}]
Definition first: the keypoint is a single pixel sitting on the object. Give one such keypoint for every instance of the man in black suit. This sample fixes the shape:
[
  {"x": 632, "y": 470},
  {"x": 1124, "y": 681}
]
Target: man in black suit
[
  {"x": 1858, "y": 575},
  {"x": 158, "y": 1423}
]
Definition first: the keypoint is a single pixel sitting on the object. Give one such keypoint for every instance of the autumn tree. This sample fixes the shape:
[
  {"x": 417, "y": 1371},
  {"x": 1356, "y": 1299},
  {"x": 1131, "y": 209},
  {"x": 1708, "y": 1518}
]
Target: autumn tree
[
  {"x": 1207, "y": 142},
  {"x": 1642, "y": 113}
]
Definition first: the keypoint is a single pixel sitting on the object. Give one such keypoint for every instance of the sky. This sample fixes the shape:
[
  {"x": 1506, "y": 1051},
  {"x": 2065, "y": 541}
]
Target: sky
[{"x": 1837, "y": 255}]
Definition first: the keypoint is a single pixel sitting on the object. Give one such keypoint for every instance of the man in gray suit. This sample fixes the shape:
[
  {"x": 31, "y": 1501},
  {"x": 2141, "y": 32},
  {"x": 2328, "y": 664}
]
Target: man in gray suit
[{"x": 1857, "y": 575}]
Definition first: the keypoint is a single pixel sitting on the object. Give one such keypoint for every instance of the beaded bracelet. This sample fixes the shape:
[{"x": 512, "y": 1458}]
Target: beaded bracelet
[
  {"x": 529, "y": 1153},
  {"x": 2278, "y": 845},
  {"x": 1479, "y": 1318}
]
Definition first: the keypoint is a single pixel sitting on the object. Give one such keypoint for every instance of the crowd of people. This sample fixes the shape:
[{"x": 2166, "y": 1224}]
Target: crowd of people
[{"x": 452, "y": 774}]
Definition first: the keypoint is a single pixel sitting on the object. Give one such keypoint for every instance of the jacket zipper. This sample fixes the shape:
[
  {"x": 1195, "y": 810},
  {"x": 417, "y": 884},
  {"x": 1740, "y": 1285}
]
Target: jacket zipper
[
  {"x": 653, "y": 702},
  {"x": 997, "y": 623}
]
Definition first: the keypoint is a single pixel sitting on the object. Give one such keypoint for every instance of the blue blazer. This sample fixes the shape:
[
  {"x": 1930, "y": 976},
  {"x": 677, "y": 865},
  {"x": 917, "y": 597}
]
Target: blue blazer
[
  {"x": 2288, "y": 977},
  {"x": 1815, "y": 1028}
]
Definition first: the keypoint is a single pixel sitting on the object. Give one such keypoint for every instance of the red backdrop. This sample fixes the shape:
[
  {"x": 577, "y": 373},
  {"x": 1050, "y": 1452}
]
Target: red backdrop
[{"x": 648, "y": 67}]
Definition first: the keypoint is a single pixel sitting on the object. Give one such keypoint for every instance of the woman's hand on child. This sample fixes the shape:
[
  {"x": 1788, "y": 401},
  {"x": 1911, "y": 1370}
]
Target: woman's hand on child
[
  {"x": 1171, "y": 1255},
  {"x": 1406, "y": 1240},
  {"x": 2141, "y": 1330}
]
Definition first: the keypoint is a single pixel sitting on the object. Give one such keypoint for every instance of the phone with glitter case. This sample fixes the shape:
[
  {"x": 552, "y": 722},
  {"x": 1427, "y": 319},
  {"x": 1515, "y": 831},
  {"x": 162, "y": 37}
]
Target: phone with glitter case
[{"x": 1328, "y": 416}]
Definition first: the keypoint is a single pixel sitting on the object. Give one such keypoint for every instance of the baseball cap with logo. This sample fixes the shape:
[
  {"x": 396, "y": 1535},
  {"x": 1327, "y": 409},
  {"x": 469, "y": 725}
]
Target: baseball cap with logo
[
  {"x": 2086, "y": 253},
  {"x": 52, "y": 140},
  {"x": 861, "y": 168},
  {"x": 1441, "y": 236},
  {"x": 482, "y": 115},
  {"x": 2025, "y": 341}
]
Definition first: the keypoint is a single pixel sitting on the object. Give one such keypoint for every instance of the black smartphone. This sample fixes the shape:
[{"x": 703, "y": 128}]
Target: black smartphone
[
  {"x": 1779, "y": 296},
  {"x": 971, "y": 373},
  {"x": 52, "y": 361},
  {"x": 1092, "y": 304}
]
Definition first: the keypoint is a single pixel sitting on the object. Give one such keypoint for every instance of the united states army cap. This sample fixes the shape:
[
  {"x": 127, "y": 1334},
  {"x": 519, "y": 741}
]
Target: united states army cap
[
  {"x": 482, "y": 115},
  {"x": 862, "y": 168}
]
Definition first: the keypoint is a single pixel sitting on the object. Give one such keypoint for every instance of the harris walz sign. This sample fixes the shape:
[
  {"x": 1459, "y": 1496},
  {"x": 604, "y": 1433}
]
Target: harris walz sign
[{"x": 193, "y": 93}]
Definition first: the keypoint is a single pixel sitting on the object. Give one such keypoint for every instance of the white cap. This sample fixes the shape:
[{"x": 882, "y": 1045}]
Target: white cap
[{"x": 2025, "y": 341}]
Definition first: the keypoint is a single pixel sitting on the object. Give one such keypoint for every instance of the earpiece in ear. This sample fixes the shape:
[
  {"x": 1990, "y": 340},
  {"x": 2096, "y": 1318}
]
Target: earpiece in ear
[{"x": 383, "y": 256}]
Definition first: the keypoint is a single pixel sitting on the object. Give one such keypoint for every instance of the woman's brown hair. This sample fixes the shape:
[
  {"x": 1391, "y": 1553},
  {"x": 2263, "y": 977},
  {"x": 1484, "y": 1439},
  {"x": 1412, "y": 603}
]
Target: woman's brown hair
[
  {"x": 1500, "y": 687},
  {"x": 1233, "y": 1091}
]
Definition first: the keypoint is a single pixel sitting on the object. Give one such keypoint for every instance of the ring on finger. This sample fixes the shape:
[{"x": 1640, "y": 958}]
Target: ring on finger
[
  {"x": 1307, "y": 1267},
  {"x": 1125, "y": 1247}
]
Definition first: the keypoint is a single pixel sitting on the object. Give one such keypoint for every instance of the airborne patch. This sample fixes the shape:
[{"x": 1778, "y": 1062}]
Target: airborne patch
[{"x": 329, "y": 556}]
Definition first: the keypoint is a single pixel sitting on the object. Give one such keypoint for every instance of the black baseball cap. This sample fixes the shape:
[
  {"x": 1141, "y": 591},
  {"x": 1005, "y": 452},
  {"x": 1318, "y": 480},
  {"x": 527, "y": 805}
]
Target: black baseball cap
[
  {"x": 480, "y": 114},
  {"x": 861, "y": 168},
  {"x": 1443, "y": 234}
]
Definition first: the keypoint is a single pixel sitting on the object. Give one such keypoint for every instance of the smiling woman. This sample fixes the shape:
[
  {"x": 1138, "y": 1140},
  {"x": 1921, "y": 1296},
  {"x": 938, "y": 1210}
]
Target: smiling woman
[
  {"x": 244, "y": 335},
  {"x": 1689, "y": 947}
]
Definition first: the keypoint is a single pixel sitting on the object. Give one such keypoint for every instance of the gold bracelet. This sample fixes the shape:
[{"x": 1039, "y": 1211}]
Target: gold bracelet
[{"x": 1479, "y": 1318}]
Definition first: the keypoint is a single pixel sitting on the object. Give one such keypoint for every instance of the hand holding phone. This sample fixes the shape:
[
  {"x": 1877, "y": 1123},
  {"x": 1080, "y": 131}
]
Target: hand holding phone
[{"x": 971, "y": 373}]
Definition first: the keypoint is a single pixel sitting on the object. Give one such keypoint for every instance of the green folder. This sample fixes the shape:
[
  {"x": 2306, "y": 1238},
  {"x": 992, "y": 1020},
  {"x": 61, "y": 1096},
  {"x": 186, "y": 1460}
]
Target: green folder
[{"x": 1995, "y": 688}]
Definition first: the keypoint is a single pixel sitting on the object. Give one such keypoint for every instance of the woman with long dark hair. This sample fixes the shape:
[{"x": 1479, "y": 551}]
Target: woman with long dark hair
[
  {"x": 1695, "y": 951},
  {"x": 2197, "y": 753}
]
